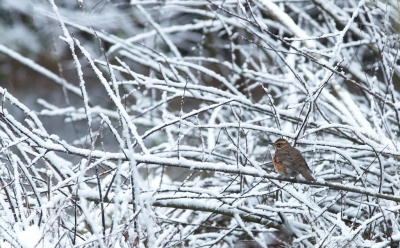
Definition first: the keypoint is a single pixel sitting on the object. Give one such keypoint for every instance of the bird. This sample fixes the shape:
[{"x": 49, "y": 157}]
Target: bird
[{"x": 288, "y": 161}]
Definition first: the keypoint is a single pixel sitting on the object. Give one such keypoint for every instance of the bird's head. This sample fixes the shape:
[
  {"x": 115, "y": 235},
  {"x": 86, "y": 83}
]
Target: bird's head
[{"x": 280, "y": 143}]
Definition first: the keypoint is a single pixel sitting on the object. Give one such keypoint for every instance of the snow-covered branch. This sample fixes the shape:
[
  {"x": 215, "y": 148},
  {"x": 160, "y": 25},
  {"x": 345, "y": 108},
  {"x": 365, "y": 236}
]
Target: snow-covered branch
[{"x": 149, "y": 123}]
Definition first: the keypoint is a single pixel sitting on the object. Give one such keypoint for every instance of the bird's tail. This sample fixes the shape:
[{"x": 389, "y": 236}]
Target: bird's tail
[{"x": 307, "y": 176}]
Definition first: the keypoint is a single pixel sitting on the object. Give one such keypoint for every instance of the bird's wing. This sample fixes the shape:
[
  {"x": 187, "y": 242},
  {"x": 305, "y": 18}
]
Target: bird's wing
[
  {"x": 302, "y": 167},
  {"x": 285, "y": 159},
  {"x": 295, "y": 162},
  {"x": 301, "y": 162}
]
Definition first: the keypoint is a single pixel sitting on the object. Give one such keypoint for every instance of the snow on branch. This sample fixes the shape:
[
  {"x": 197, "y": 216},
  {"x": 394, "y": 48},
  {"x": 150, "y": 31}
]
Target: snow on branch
[{"x": 150, "y": 123}]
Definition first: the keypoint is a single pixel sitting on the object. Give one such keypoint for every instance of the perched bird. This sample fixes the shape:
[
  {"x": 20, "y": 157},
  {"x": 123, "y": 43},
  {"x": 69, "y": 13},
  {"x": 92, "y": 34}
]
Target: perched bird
[{"x": 288, "y": 161}]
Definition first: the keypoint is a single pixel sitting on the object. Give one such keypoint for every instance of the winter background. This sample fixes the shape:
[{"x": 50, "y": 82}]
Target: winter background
[{"x": 148, "y": 123}]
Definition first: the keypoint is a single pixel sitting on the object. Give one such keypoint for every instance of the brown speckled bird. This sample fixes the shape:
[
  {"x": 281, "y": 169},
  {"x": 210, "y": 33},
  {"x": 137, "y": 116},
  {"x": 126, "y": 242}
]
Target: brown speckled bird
[{"x": 288, "y": 161}]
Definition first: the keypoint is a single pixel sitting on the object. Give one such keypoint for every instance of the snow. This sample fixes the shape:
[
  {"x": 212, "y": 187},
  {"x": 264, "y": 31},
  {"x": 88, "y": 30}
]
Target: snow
[{"x": 158, "y": 129}]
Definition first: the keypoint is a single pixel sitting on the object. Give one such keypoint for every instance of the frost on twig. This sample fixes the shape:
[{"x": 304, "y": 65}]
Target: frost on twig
[{"x": 155, "y": 128}]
